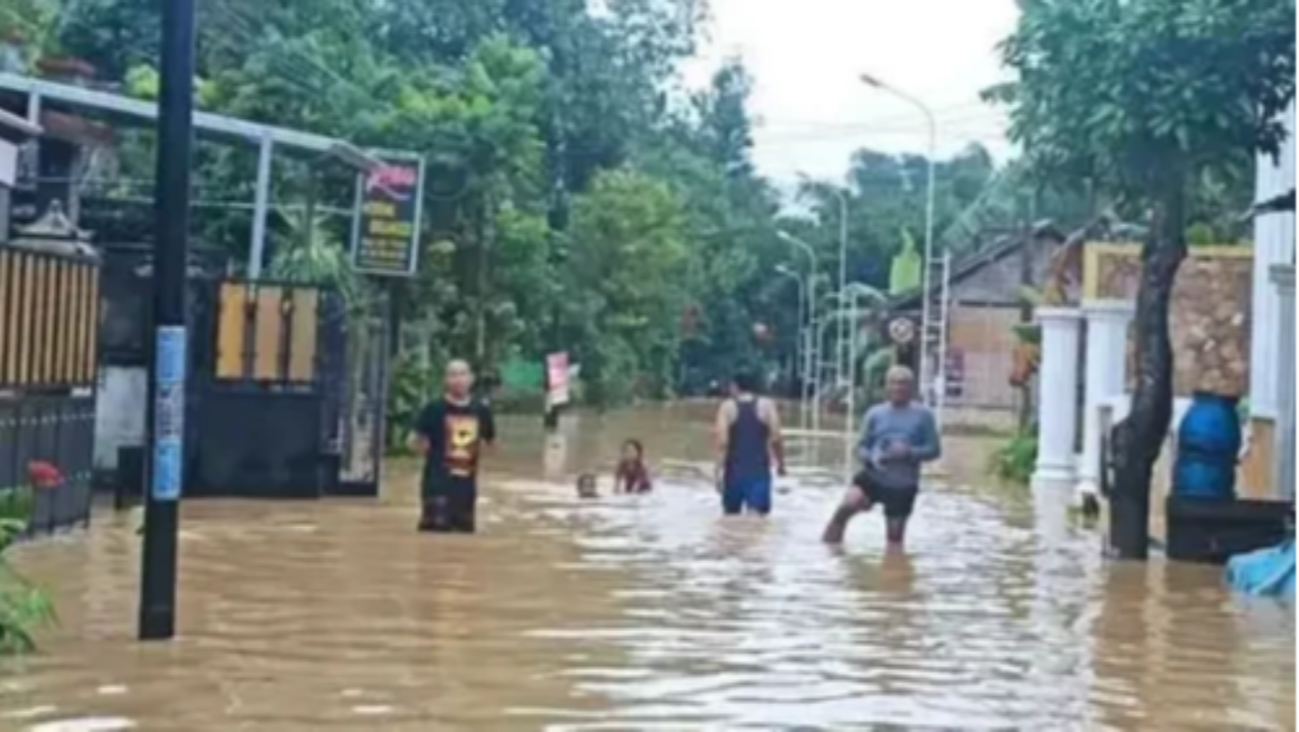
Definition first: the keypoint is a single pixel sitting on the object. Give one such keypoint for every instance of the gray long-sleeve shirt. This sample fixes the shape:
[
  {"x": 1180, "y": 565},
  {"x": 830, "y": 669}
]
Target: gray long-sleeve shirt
[{"x": 913, "y": 425}]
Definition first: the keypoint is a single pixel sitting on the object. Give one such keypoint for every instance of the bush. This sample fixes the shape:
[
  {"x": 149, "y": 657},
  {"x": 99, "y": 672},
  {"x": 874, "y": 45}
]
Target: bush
[
  {"x": 1014, "y": 461},
  {"x": 23, "y": 607}
]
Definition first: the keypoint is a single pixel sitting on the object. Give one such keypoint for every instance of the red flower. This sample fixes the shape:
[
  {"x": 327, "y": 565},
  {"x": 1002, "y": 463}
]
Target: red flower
[{"x": 43, "y": 475}]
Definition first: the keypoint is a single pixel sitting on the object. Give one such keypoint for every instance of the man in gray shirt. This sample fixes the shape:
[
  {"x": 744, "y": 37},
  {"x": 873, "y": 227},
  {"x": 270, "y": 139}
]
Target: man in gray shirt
[{"x": 898, "y": 436}]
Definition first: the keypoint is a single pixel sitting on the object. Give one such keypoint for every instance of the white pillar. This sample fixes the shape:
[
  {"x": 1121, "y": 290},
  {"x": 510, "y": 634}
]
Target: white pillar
[
  {"x": 1057, "y": 406},
  {"x": 1105, "y": 376},
  {"x": 1274, "y": 244},
  {"x": 1283, "y": 450}
]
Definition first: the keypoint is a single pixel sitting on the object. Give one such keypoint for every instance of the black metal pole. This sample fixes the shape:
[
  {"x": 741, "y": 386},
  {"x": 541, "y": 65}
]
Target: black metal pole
[{"x": 167, "y": 366}]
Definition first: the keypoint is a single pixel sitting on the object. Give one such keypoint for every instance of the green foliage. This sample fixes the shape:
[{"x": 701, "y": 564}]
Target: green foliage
[
  {"x": 310, "y": 253},
  {"x": 24, "y": 608},
  {"x": 576, "y": 199},
  {"x": 1029, "y": 333},
  {"x": 1149, "y": 102},
  {"x": 906, "y": 274},
  {"x": 412, "y": 385},
  {"x": 627, "y": 261},
  {"x": 1138, "y": 95},
  {"x": 1014, "y": 461}
]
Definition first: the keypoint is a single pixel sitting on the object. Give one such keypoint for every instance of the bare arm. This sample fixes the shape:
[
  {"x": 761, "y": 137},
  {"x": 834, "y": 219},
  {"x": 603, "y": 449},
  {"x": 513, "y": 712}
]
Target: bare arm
[
  {"x": 417, "y": 443},
  {"x": 419, "y": 440},
  {"x": 722, "y": 428},
  {"x": 775, "y": 438}
]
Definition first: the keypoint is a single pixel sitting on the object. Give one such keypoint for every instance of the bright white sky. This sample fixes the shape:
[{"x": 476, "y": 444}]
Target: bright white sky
[{"x": 806, "y": 55}]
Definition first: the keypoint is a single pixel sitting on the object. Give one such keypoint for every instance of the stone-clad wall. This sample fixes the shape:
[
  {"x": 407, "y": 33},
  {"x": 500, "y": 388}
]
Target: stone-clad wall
[{"x": 1210, "y": 310}]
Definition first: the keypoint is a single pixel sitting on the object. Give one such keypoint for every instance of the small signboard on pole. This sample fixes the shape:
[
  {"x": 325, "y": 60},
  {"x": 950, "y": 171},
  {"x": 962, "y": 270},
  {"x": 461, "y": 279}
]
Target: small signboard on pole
[
  {"x": 385, "y": 228},
  {"x": 557, "y": 379}
]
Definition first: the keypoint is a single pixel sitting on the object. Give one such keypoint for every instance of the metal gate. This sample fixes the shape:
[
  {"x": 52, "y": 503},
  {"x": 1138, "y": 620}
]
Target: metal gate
[
  {"x": 361, "y": 400},
  {"x": 291, "y": 405},
  {"x": 48, "y": 317}
]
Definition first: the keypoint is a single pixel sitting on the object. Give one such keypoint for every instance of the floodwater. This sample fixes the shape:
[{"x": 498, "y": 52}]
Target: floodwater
[{"x": 640, "y": 613}]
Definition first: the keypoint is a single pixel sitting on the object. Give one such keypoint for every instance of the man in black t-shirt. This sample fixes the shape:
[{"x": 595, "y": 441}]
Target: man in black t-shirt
[{"x": 451, "y": 433}]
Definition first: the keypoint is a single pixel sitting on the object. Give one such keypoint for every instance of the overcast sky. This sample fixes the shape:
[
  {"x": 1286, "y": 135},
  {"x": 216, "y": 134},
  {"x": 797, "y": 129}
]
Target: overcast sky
[{"x": 806, "y": 56}]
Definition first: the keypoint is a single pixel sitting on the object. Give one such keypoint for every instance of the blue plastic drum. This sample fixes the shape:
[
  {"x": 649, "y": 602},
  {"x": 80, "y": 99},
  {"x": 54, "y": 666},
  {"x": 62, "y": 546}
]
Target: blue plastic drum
[{"x": 1208, "y": 446}]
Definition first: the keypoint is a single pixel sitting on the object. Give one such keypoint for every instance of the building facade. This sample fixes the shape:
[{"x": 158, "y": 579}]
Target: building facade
[{"x": 1274, "y": 246}]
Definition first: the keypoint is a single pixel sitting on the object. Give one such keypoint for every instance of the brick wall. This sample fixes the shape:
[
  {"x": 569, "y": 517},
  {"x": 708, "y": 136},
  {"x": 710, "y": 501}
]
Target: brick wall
[{"x": 1210, "y": 310}]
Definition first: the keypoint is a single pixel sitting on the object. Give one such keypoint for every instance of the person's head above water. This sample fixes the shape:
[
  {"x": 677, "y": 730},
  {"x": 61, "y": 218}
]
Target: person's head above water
[
  {"x": 746, "y": 381},
  {"x": 459, "y": 379},
  {"x": 586, "y": 486},
  {"x": 632, "y": 451},
  {"x": 899, "y": 384}
]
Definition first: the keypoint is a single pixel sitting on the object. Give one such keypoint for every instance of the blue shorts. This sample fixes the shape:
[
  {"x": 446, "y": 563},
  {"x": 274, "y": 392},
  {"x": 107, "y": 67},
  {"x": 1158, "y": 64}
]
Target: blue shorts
[{"x": 754, "y": 494}]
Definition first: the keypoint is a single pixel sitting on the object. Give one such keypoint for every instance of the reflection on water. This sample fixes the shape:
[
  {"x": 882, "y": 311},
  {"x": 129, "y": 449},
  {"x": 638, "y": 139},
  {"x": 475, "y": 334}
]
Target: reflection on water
[{"x": 645, "y": 612}]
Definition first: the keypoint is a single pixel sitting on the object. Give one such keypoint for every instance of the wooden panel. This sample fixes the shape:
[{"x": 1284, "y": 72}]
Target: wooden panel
[
  {"x": 92, "y": 340},
  {"x": 60, "y": 307},
  {"x": 302, "y": 349},
  {"x": 13, "y": 353},
  {"x": 231, "y": 331},
  {"x": 66, "y": 305},
  {"x": 6, "y": 343},
  {"x": 269, "y": 334},
  {"x": 54, "y": 330},
  {"x": 42, "y": 338},
  {"x": 86, "y": 348},
  {"x": 85, "y": 291},
  {"x": 71, "y": 323},
  {"x": 27, "y": 278}
]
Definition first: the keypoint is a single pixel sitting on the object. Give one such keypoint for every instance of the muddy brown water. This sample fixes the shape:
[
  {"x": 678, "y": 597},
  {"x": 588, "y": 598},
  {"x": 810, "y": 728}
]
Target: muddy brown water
[{"x": 645, "y": 613}]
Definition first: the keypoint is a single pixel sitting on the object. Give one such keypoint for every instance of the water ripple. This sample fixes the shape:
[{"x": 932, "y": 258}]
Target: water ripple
[{"x": 646, "y": 612}]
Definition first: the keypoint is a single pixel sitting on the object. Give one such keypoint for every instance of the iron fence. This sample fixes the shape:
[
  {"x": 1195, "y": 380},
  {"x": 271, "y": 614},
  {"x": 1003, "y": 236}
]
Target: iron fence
[{"x": 59, "y": 430}]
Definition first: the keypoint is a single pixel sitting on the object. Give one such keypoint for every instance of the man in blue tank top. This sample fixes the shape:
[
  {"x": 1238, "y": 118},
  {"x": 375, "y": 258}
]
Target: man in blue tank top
[
  {"x": 748, "y": 442},
  {"x": 898, "y": 437}
]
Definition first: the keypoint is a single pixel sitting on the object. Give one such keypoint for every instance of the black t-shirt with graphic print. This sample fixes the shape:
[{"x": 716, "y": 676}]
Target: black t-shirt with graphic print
[{"x": 455, "y": 434}]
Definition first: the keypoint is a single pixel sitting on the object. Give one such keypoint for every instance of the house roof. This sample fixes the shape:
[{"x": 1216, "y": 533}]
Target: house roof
[{"x": 973, "y": 263}]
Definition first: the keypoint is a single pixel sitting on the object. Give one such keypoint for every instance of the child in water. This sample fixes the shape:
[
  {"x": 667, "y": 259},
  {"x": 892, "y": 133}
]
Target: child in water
[
  {"x": 632, "y": 475},
  {"x": 586, "y": 487}
]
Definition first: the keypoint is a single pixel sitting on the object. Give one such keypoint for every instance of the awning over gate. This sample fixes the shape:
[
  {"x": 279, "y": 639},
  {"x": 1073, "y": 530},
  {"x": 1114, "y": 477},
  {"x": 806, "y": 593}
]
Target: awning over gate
[{"x": 266, "y": 137}]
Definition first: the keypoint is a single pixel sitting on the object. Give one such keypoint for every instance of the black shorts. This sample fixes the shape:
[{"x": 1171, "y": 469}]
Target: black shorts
[
  {"x": 898, "y": 501},
  {"x": 449, "y": 510}
]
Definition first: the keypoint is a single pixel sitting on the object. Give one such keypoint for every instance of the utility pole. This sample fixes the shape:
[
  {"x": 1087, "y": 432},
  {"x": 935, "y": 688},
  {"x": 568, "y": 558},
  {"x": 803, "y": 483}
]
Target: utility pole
[
  {"x": 167, "y": 366},
  {"x": 556, "y": 217}
]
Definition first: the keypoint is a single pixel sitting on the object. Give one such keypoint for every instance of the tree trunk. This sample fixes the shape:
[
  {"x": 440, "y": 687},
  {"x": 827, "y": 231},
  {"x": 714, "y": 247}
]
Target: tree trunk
[{"x": 1139, "y": 439}]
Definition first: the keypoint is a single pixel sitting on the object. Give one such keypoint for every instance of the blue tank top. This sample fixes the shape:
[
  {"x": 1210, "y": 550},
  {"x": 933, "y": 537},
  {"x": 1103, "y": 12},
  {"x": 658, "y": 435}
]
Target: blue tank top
[{"x": 748, "y": 451}]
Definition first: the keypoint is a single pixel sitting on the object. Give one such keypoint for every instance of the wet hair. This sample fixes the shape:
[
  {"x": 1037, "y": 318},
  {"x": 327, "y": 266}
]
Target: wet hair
[
  {"x": 899, "y": 372},
  {"x": 747, "y": 380},
  {"x": 635, "y": 445}
]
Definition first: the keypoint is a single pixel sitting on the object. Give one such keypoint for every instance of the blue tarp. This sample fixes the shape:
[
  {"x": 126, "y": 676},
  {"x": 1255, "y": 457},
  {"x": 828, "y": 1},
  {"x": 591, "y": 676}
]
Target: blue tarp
[{"x": 1264, "y": 573}]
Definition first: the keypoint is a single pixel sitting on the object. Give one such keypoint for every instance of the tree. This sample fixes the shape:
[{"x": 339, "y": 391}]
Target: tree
[
  {"x": 522, "y": 110},
  {"x": 1141, "y": 98},
  {"x": 624, "y": 284}
]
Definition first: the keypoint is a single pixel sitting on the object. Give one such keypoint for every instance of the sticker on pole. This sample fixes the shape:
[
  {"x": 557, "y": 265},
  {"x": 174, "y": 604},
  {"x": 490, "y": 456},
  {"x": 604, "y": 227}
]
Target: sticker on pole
[{"x": 169, "y": 412}]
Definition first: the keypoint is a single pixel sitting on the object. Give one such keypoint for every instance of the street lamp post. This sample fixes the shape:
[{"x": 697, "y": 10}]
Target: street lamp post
[
  {"x": 800, "y": 353},
  {"x": 846, "y": 305},
  {"x": 841, "y": 331},
  {"x": 840, "y": 356},
  {"x": 925, "y": 315},
  {"x": 812, "y": 353}
]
